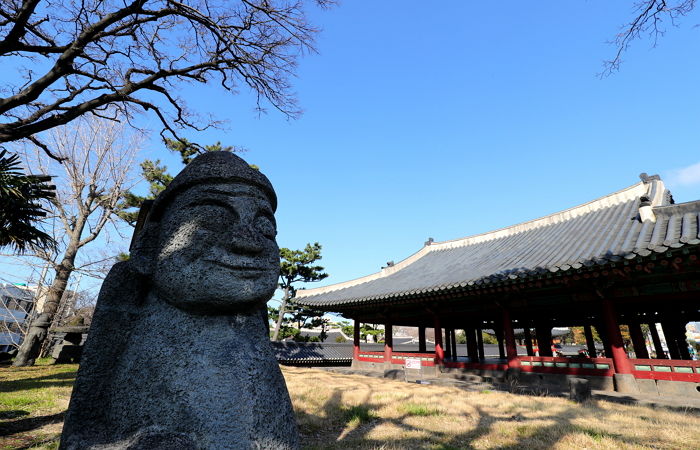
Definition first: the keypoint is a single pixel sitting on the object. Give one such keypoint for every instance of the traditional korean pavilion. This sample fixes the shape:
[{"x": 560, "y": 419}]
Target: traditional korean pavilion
[{"x": 628, "y": 258}]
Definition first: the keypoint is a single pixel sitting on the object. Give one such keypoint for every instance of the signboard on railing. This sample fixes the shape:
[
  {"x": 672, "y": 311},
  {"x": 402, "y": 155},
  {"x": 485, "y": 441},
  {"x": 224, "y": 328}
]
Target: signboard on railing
[{"x": 412, "y": 363}]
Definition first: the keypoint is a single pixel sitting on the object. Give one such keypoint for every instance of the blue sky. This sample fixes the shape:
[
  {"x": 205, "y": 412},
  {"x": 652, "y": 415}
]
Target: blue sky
[
  {"x": 425, "y": 120},
  {"x": 445, "y": 122}
]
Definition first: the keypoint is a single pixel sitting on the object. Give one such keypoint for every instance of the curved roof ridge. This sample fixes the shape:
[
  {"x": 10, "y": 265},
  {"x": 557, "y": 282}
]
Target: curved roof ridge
[
  {"x": 386, "y": 271},
  {"x": 615, "y": 198},
  {"x": 627, "y": 194}
]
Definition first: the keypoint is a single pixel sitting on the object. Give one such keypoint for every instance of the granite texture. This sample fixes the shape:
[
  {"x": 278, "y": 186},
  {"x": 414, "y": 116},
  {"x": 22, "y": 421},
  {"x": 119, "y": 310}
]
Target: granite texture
[{"x": 178, "y": 354}]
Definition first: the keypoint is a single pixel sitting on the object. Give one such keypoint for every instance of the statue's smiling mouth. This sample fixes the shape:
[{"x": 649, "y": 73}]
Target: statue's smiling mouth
[{"x": 244, "y": 270}]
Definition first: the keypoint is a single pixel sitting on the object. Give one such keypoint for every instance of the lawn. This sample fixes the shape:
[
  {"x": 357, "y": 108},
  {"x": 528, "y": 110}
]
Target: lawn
[
  {"x": 350, "y": 411},
  {"x": 33, "y": 401}
]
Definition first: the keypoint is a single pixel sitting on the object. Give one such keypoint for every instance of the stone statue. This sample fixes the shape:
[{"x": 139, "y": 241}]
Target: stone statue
[{"x": 178, "y": 354}]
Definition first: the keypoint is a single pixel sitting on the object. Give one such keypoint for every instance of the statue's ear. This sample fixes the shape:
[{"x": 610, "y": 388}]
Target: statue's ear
[
  {"x": 144, "y": 241},
  {"x": 143, "y": 251}
]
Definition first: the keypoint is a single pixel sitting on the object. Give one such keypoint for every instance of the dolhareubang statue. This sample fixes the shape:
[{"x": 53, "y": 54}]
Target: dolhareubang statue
[{"x": 178, "y": 354}]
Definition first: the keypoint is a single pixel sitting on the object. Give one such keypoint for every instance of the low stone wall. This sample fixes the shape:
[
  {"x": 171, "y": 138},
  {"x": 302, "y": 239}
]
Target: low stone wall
[
  {"x": 669, "y": 388},
  {"x": 396, "y": 370},
  {"x": 528, "y": 381}
]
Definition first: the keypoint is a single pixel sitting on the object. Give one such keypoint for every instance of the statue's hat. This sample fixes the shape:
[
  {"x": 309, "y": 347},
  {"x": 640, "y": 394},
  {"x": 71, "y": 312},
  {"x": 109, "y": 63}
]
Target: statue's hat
[
  {"x": 213, "y": 167},
  {"x": 210, "y": 167}
]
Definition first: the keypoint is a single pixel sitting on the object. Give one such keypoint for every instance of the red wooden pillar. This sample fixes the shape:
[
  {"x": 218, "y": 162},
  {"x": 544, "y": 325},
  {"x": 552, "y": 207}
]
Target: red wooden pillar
[
  {"x": 603, "y": 333},
  {"x": 448, "y": 344},
  {"x": 685, "y": 351},
  {"x": 638, "y": 341},
  {"x": 544, "y": 339},
  {"x": 498, "y": 329},
  {"x": 612, "y": 330},
  {"x": 509, "y": 337},
  {"x": 528, "y": 339},
  {"x": 669, "y": 334},
  {"x": 480, "y": 343},
  {"x": 658, "y": 348},
  {"x": 356, "y": 341},
  {"x": 421, "y": 339},
  {"x": 454, "y": 343},
  {"x": 439, "y": 353},
  {"x": 681, "y": 339},
  {"x": 388, "y": 342},
  {"x": 674, "y": 330},
  {"x": 472, "y": 346},
  {"x": 466, "y": 340},
  {"x": 590, "y": 343}
]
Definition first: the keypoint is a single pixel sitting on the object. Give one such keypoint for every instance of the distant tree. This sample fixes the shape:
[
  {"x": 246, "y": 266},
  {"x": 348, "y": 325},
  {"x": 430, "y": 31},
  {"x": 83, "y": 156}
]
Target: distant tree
[
  {"x": 461, "y": 338},
  {"x": 157, "y": 178},
  {"x": 651, "y": 18},
  {"x": 96, "y": 159},
  {"x": 347, "y": 328},
  {"x": 188, "y": 151},
  {"x": 22, "y": 206},
  {"x": 296, "y": 266},
  {"x": 488, "y": 338},
  {"x": 485, "y": 337},
  {"x": 113, "y": 57},
  {"x": 370, "y": 330},
  {"x": 287, "y": 330},
  {"x": 576, "y": 336},
  {"x": 305, "y": 317}
]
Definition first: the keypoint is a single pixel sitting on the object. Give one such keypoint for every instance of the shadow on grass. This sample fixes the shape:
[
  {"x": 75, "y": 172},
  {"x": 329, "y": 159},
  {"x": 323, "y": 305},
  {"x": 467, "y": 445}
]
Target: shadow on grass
[
  {"x": 363, "y": 419},
  {"x": 13, "y": 414},
  {"x": 29, "y": 423},
  {"x": 61, "y": 379}
]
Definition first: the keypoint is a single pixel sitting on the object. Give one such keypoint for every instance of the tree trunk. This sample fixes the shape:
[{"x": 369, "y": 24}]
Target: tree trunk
[
  {"x": 38, "y": 330},
  {"x": 280, "y": 318}
]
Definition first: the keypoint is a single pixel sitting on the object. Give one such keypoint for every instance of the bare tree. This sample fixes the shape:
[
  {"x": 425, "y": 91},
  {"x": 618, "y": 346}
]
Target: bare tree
[
  {"x": 108, "y": 57},
  {"x": 651, "y": 18},
  {"x": 96, "y": 158}
]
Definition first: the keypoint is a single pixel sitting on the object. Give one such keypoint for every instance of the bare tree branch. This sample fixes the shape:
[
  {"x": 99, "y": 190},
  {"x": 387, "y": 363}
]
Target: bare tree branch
[
  {"x": 651, "y": 18},
  {"x": 92, "y": 56},
  {"x": 97, "y": 157}
]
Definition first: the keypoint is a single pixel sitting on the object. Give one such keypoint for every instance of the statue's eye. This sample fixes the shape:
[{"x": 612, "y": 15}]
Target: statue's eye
[
  {"x": 265, "y": 226},
  {"x": 219, "y": 210}
]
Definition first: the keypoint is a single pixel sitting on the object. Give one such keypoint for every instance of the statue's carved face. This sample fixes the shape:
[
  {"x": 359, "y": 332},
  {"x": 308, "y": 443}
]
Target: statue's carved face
[{"x": 217, "y": 251}]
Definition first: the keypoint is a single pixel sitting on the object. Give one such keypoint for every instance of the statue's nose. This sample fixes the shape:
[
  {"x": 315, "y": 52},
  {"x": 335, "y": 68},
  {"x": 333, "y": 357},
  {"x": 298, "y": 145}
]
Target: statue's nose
[{"x": 245, "y": 240}]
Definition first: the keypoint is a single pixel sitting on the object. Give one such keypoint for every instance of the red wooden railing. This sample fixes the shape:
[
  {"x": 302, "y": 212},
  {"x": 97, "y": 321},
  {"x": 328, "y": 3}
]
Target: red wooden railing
[
  {"x": 666, "y": 369},
  {"x": 567, "y": 366},
  {"x": 427, "y": 359},
  {"x": 654, "y": 369},
  {"x": 476, "y": 365}
]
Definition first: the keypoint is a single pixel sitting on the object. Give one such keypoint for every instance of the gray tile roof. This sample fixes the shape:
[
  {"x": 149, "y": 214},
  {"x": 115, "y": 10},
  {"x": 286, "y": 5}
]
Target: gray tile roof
[
  {"x": 312, "y": 352},
  {"x": 611, "y": 228}
]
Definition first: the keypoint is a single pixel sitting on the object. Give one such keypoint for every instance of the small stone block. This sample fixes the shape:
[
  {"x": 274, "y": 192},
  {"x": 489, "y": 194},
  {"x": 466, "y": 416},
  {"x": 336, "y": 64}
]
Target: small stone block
[{"x": 579, "y": 389}]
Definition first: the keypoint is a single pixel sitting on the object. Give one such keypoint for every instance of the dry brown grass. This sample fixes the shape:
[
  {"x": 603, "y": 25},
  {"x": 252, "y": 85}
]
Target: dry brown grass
[{"x": 351, "y": 411}]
